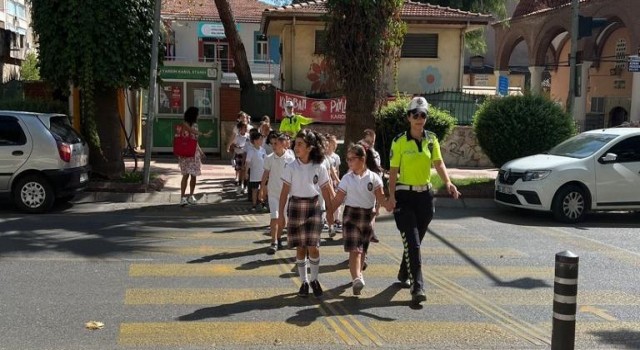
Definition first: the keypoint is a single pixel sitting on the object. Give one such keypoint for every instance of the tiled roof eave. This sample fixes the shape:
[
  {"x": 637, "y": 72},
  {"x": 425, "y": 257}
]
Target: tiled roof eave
[
  {"x": 183, "y": 17},
  {"x": 441, "y": 20}
]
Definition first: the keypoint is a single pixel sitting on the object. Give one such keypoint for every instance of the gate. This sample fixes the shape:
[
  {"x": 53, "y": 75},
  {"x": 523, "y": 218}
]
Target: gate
[
  {"x": 259, "y": 101},
  {"x": 461, "y": 105}
]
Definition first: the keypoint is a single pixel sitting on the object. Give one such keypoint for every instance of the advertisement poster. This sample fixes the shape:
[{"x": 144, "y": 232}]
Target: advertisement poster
[
  {"x": 176, "y": 97},
  {"x": 333, "y": 110}
]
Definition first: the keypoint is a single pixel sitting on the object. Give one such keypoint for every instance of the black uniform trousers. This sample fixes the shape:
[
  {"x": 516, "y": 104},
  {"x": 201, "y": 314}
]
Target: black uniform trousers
[{"x": 413, "y": 213}]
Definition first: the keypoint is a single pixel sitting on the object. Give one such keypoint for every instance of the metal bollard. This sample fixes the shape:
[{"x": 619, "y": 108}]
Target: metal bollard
[{"x": 565, "y": 291}]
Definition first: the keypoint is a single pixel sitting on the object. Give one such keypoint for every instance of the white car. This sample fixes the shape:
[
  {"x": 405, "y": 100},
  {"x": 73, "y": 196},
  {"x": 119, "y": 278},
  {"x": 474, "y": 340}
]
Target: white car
[
  {"x": 42, "y": 159},
  {"x": 596, "y": 170}
]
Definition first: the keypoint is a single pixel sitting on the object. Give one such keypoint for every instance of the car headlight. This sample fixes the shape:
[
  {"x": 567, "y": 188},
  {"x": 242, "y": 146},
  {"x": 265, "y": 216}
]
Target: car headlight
[{"x": 534, "y": 175}]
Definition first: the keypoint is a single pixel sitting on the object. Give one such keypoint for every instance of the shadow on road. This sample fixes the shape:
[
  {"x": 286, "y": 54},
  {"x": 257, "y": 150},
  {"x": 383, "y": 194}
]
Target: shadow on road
[
  {"x": 521, "y": 283},
  {"x": 620, "y": 339}
]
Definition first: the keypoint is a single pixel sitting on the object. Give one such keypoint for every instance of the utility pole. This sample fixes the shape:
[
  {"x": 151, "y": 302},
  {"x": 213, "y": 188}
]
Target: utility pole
[
  {"x": 151, "y": 105},
  {"x": 575, "y": 4}
]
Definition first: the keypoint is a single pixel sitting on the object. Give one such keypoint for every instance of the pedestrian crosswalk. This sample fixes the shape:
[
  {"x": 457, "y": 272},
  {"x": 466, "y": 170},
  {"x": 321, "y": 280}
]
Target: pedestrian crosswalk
[{"x": 206, "y": 288}]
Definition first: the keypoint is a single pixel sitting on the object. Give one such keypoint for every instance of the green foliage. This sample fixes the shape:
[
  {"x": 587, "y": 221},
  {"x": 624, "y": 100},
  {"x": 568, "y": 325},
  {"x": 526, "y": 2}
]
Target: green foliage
[
  {"x": 29, "y": 69},
  {"x": 365, "y": 37},
  {"x": 517, "y": 126},
  {"x": 475, "y": 41},
  {"x": 392, "y": 120},
  {"x": 38, "y": 106},
  {"x": 92, "y": 43}
]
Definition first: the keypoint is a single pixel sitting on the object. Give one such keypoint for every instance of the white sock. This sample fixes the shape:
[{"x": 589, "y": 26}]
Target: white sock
[
  {"x": 315, "y": 267},
  {"x": 302, "y": 270}
]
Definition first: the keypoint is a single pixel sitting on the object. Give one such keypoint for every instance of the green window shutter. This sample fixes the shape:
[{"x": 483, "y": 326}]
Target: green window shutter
[{"x": 320, "y": 42}]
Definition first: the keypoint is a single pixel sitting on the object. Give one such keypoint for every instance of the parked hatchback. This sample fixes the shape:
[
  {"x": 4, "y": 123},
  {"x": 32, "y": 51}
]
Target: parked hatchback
[
  {"x": 595, "y": 170},
  {"x": 42, "y": 159}
]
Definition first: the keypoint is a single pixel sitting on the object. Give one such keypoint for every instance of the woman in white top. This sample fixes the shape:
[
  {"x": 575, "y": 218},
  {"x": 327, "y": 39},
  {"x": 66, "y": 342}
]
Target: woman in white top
[
  {"x": 304, "y": 180},
  {"x": 360, "y": 188}
]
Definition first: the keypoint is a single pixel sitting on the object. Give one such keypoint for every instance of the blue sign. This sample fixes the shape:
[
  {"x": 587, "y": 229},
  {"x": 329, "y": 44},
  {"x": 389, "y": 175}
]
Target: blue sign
[
  {"x": 503, "y": 85},
  {"x": 634, "y": 64}
]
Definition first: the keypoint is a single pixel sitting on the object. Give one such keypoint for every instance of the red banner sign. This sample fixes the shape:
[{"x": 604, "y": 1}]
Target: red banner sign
[{"x": 333, "y": 110}]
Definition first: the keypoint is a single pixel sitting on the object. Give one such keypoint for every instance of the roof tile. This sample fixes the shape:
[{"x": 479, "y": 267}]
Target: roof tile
[{"x": 244, "y": 11}]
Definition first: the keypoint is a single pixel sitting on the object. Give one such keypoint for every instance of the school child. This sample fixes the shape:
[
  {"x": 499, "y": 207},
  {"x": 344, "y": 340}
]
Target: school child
[
  {"x": 254, "y": 166},
  {"x": 272, "y": 185},
  {"x": 360, "y": 188},
  {"x": 242, "y": 117},
  {"x": 238, "y": 147},
  {"x": 304, "y": 180},
  {"x": 334, "y": 161}
]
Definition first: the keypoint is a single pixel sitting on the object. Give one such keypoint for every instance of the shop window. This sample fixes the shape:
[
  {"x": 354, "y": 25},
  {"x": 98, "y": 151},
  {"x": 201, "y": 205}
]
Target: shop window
[
  {"x": 170, "y": 98},
  {"x": 420, "y": 46},
  {"x": 260, "y": 52},
  {"x": 200, "y": 95}
]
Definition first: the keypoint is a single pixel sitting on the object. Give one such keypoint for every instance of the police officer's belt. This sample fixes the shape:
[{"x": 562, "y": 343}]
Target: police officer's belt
[{"x": 420, "y": 188}]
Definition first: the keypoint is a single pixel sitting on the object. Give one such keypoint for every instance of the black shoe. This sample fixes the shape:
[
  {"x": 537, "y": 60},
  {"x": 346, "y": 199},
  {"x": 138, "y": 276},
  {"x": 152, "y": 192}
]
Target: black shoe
[
  {"x": 304, "y": 290},
  {"x": 280, "y": 246},
  {"x": 315, "y": 286},
  {"x": 418, "y": 297},
  {"x": 405, "y": 282},
  {"x": 374, "y": 239},
  {"x": 273, "y": 248}
]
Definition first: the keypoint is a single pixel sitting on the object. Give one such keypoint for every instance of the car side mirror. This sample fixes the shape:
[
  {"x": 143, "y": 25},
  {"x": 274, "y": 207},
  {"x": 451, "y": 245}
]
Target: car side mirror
[{"x": 608, "y": 158}]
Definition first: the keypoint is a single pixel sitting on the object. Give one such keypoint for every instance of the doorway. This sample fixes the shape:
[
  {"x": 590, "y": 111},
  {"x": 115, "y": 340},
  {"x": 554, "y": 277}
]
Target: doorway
[
  {"x": 617, "y": 116},
  {"x": 217, "y": 51}
]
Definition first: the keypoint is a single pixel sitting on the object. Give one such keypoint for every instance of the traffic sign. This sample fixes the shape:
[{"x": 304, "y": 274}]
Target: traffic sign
[
  {"x": 634, "y": 64},
  {"x": 503, "y": 85}
]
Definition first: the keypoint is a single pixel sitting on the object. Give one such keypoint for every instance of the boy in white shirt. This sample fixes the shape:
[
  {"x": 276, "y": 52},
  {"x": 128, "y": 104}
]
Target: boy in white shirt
[
  {"x": 238, "y": 147},
  {"x": 255, "y": 166},
  {"x": 271, "y": 184},
  {"x": 334, "y": 161}
]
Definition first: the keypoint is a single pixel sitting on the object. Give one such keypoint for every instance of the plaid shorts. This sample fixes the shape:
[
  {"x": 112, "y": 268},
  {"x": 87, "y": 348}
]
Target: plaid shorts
[
  {"x": 239, "y": 160},
  {"x": 304, "y": 222},
  {"x": 356, "y": 228}
]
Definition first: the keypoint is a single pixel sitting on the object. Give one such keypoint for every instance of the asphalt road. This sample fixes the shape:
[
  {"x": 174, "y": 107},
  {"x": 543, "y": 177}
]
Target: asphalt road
[{"x": 163, "y": 277}]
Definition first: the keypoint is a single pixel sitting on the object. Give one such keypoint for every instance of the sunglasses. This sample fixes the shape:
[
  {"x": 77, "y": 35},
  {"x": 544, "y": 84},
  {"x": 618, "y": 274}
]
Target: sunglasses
[{"x": 422, "y": 115}]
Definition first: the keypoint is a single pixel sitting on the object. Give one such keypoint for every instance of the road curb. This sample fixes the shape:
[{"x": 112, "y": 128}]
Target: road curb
[{"x": 153, "y": 197}]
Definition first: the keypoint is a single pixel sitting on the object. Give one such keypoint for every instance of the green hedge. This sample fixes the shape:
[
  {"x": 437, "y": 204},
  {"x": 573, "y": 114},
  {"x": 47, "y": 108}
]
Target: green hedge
[
  {"x": 392, "y": 120},
  {"x": 37, "y": 106},
  {"x": 518, "y": 126}
]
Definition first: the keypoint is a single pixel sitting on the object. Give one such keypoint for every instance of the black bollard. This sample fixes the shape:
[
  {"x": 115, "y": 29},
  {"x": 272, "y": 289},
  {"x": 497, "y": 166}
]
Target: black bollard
[{"x": 565, "y": 291}]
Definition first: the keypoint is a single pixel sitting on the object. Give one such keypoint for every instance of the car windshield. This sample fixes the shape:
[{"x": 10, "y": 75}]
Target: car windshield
[
  {"x": 62, "y": 130},
  {"x": 581, "y": 146}
]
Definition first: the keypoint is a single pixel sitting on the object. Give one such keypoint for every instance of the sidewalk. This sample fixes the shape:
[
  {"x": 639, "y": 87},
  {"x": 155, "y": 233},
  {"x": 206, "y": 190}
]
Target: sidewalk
[{"x": 218, "y": 174}]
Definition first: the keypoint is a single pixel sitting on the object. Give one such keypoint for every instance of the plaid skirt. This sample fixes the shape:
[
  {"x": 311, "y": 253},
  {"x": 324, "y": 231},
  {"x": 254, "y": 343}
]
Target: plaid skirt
[
  {"x": 356, "y": 228},
  {"x": 304, "y": 222}
]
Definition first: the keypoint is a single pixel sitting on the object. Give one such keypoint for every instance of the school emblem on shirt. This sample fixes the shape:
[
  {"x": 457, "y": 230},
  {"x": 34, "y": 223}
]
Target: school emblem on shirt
[
  {"x": 315, "y": 179},
  {"x": 370, "y": 186}
]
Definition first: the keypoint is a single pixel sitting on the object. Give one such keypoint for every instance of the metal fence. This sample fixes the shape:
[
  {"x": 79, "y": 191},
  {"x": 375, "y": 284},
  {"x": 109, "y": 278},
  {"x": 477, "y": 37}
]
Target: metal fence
[{"x": 461, "y": 105}]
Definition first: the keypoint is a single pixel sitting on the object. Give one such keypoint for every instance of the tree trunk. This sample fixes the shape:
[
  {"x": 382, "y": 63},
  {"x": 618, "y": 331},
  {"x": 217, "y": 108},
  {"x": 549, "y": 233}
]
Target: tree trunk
[
  {"x": 241, "y": 64},
  {"x": 107, "y": 161},
  {"x": 361, "y": 103}
]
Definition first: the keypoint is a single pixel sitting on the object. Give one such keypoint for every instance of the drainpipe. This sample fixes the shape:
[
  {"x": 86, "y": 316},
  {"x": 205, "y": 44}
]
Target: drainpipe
[
  {"x": 292, "y": 53},
  {"x": 461, "y": 74}
]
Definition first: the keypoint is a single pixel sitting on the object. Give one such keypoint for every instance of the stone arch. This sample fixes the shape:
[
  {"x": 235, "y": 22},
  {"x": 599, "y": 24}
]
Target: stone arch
[
  {"x": 595, "y": 45},
  {"x": 548, "y": 33},
  {"x": 506, "y": 48}
]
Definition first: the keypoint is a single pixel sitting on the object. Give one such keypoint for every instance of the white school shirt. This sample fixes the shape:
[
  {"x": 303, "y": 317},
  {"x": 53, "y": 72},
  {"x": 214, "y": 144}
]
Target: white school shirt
[
  {"x": 334, "y": 159},
  {"x": 255, "y": 159},
  {"x": 360, "y": 190},
  {"x": 275, "y": 165},
  {"x": 305, "y": 179},
  {"x": 241, "y": 143}
]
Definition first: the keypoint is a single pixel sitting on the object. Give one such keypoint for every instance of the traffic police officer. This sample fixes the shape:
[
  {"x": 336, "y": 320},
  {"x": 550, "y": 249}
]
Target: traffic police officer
[
  {"x": 412, "y": 154},
  {"x": 292, "y": 123}
]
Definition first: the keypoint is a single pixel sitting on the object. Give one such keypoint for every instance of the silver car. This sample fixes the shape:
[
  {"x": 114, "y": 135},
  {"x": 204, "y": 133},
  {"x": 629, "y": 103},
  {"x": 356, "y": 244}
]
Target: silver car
[{"x": 42, "y": 159}]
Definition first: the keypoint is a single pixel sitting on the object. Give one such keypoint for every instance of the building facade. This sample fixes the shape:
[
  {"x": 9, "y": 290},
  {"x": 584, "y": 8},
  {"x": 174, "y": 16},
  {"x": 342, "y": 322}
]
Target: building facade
[
  {"x": 607, "y": 88},
  {"x": 16, "y": 38}
]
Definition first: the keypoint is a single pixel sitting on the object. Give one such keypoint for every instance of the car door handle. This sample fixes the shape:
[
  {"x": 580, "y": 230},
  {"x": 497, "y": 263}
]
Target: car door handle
[{"x": 17, "y": 153}]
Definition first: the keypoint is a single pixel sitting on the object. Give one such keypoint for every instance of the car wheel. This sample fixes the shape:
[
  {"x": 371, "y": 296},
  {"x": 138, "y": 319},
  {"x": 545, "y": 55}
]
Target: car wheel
[
  {"x": 570, "y": 204},
  {"x": 33, "y": 194}
]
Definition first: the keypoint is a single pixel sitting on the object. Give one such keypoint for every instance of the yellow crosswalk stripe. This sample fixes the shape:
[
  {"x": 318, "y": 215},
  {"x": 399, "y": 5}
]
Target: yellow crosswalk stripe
[
  {"x": 332, "y": 250},
  {"x": 221, "y": 334},
  {"x": 374, "y": 270},
  {"x": 439, "y": 334}
]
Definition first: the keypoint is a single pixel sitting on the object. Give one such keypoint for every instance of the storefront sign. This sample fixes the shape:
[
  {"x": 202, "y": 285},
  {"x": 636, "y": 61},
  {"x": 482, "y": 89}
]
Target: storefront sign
[
  {"x": 212, "y": 30},
  {"x": 332, "y": 110},
  {"x": 188, "y": 73}
]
